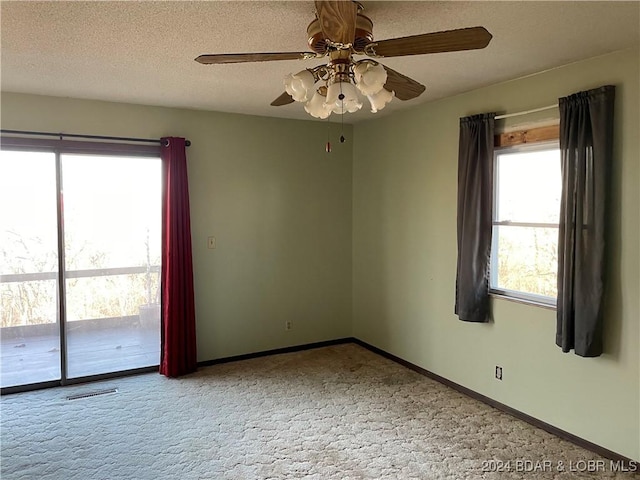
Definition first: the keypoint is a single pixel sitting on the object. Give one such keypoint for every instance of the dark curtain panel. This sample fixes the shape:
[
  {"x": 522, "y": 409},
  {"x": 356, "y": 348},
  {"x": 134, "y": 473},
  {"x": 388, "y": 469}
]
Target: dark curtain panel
[
  {"x": 586, "y": 145},
  {"x": 475, "y": 201},
  {"x": 178, "y": 349}
]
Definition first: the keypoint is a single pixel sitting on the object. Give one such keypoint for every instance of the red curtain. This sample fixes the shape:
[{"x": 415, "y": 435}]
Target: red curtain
[{"x": 178, "y": 345}]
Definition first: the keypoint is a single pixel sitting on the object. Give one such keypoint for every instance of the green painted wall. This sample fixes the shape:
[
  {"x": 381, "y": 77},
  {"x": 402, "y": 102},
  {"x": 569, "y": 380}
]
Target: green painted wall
[
  {"x": 404, "y": 262},
  {"x": 278, "y": 205}
]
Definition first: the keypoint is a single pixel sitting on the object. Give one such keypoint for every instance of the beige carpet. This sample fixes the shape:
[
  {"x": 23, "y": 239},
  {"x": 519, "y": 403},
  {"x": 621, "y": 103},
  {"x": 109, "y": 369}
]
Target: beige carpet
[{"x": 339, "y": 412}]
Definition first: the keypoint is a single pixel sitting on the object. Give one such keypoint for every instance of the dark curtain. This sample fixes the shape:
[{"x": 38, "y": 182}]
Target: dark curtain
[
  {"x": 586, "y": 145},
  {"x": 475, "y": 201},
  {"x": 178, "y": 348}
]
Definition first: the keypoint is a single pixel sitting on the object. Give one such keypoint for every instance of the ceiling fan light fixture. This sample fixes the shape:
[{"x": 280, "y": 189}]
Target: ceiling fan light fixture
[
  {"x": 300, "y": 85},
  {"x": 340, "y": 31},
  {"x": 380, "y": 99},
  {"x": 370, "y": 77}
]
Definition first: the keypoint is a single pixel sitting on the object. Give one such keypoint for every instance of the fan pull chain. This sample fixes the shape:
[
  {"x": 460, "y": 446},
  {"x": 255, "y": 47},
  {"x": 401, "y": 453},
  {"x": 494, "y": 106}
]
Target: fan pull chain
[
  {"x": 341, "y": 97},
  {"x": 328, "y": 147},
  {"x": 342, "y": 137}
]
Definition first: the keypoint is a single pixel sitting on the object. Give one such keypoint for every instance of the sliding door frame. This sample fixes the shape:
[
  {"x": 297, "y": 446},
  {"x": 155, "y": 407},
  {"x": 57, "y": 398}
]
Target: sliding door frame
[
  {"x": 62, "y": 303},
  {"x": 59, "y": 147}
]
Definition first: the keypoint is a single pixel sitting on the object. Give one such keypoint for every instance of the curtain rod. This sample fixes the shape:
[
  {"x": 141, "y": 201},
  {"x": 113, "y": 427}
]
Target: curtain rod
[
  {"x": 526, "y": 112},
  {"x": 93, "y": 137}
]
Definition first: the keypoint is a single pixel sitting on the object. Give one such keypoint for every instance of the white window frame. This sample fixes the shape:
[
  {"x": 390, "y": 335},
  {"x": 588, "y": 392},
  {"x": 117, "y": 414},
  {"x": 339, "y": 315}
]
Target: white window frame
[{"x": 516, "y": 295}]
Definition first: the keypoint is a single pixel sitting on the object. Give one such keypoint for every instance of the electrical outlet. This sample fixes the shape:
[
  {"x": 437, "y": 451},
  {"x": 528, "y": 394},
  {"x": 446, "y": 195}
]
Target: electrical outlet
[
  {"x": 498, "y": 372},
  {"x": 211, "y": 242},
  {"x": 288, "y": 325}
]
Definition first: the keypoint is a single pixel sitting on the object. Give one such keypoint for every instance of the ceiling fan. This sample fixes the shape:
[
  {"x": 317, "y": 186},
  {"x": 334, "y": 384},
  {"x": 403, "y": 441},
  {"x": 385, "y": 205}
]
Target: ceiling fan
[{"x": 340, "y": 31}]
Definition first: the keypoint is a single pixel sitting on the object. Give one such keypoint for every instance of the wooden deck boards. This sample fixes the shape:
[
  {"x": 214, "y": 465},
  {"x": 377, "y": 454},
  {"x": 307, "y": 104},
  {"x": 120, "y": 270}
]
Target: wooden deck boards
[{"x": 33, "y": 359}]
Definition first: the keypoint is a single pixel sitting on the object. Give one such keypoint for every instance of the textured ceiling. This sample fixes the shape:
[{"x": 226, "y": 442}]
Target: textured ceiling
[{"x": 142, "y": 52}]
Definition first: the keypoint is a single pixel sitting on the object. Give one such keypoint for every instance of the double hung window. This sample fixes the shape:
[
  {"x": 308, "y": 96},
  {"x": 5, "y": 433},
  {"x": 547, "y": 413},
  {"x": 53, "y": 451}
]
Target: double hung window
[{"x": 526, "y": 209}]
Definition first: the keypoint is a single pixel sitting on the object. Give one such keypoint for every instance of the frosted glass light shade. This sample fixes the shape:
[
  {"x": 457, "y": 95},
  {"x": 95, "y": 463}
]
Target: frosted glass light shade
[
  {"x": 380, "y": 99},
  {"x": 300, "y": 85},
  {"x": 369, "y": 77},
  {"x": 349, "y": 103},
  {"x": 316, "y": 107}
]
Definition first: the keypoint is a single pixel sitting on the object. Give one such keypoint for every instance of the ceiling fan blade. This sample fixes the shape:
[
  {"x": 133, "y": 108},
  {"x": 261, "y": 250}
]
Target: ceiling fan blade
[
  {"x": 405, "y": 87},
  {"x": 338, "y": 20},
  {"x": 284, "y": 99},
  {"x": 253, "y": 57},
  {"x": 447, "y": 41}
]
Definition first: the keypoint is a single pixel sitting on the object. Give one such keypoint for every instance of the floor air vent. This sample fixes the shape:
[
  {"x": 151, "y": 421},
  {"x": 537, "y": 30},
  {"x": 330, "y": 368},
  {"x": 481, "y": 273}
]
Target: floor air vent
[{"x": 95, "y": 393}]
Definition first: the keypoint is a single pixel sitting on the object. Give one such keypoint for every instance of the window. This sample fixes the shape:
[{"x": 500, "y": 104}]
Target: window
[{"x": 526, "y": 210}]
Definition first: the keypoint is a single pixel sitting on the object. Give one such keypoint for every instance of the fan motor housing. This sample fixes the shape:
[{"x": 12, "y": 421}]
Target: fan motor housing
[{"x": 363, "y": 36}]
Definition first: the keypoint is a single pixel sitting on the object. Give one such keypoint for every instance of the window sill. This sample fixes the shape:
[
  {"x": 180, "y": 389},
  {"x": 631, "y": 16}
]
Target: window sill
[{"x": 524, "y": 301}]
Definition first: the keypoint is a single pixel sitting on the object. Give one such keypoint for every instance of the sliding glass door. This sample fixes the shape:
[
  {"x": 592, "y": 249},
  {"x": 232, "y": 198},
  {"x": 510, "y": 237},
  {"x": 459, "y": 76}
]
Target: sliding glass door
[
  {"x": 80, "y": 289},
  {"x": 112, "y": 263}
]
